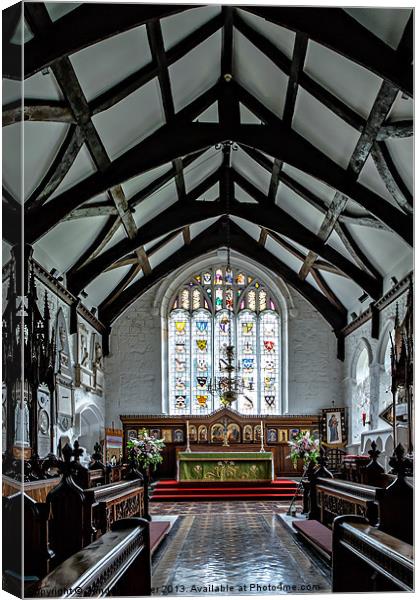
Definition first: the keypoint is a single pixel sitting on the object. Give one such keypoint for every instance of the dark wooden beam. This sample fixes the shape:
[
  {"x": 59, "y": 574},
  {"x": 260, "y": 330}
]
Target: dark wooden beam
[
  {"x": 99, "y": 209},
  {"x": 59, "y": 168},
  {"x": 86, "y": 25},
  {"x": 355, "y": 251},
  {"x": 310, "y": 85},
  {"x": 181, "y": 214},
  {"x": 309, "y": 196},
  {"x": 182, "y": 138},
  {"x": 136, "y": 80},
  {"x": 375, "y": 321},
  {"x": 36, "y": 110},
  {"x": 391, "y": 178},
  {"x": 337, "y": 30},
  {"x": 396, "y": 129},
  {"x": 327, "y": 291},
  {"x": 380, "y": 109},
  {"x": 12, "y": 222},
  {"x": 209, "y": 240}
]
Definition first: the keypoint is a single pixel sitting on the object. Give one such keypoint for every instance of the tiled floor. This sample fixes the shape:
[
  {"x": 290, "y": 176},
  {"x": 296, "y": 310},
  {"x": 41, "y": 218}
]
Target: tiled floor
[
  {"x": 228, "y": 548},
  {"x": 216, "y": 507}
]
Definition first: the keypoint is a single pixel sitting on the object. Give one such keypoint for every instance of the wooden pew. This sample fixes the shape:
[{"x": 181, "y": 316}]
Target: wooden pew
[
  {"x": 388, "y": 509},
  {"x": 366, "y": 559},
  {"x": 117, "y": 564}
]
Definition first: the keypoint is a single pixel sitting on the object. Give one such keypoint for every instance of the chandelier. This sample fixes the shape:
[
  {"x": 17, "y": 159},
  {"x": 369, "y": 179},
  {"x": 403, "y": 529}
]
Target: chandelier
[{"x": 229, "y": 386}]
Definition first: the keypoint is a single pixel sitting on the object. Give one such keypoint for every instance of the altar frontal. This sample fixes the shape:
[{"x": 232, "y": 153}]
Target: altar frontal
[{"x": 225, "y": 466}]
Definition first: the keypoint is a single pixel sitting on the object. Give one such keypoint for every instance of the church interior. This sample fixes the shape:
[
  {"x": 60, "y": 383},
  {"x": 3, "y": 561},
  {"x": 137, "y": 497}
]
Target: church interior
[{"x": 207, "y": 350}]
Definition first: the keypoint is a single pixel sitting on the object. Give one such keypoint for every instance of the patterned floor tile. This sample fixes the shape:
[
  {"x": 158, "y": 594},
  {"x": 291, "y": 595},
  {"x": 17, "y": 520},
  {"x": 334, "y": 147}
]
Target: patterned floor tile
[{"x": 235, "y": 550}]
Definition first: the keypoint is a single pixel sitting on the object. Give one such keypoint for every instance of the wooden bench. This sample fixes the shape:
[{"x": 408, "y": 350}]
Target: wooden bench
[
  {"x": 317, "y": 535},
  {"x": 366, "y": 559},
  {"x": 117, "y": 564}
]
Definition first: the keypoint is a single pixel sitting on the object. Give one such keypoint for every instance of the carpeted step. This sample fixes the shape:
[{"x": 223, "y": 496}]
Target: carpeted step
[
  {"x": 199, "y": 497},
  {"x": 158, "y": 530}
]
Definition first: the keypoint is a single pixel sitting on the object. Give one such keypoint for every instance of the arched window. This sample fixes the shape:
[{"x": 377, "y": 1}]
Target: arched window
[
  {"x": 361, "y": 401},
  {"x": 216, "y": 308}
]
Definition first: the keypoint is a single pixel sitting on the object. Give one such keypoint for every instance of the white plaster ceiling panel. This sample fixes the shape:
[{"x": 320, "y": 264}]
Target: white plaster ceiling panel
[
  {"x": 247, "y": 117},
  {"x": 210, "y": 115},
  {"x": 101, "y": 66},
  {"x": 212, "y": 194},
  {"x": 401, "y": 151},
  {"x": 166, "y": 251},
  {"x": 298, "y": 208},
  {"x": 119, "y": 235},
  {"x": 177, "y": 27},
  {"x": 155, "y": 204},
  {"x": 402, "y": 109},
  {"x": 317, "y": 187},
  {"x": 139, "y": 276},
  {"x": 131, "y": 120},
  {"x": 383, "y": 248},
  {"x": 282, "y": 254},
  {"x": 154, "y": 242},
  {"x": 311, "y": 280},
  {"x": 322, "y": 128},
  {"x": 103, "y": 198},
  {"x": 56, "y": 10},
  {"x": 355, "y": 209},
  {"x": 282, "y": 38},
  {"x": 82, "y": 167},
  {"x": 41, "y": 143},
  {"x": 251, "y": 170},
  {"x": 196, "y": 72},
  {"x": 242, "y": 196},
  {"x": 250, "y": 228},
  {"x": 386, "y": 23},
  {"x": 18, "y": 34},
  {"x": 370, "y": 178},
  {"x": 135, "y": 184},
  {"x": 103, "y": 285},
  {"x": 11, "y": 90},
  {"x": 255, "y": 72},
  {"x": 348, "y": 81},
  {"x": 59, "y": 243},
  {"x": 200, "y": 169},
  {"x": 302, "y": 249},
  {"x": 12, "y": 159},
  {"x": 345, "y": 289},
  {"x": 197, "y": 228},
  {"x": 42, "y": 87},
  {"x": 335, "y": 242}
]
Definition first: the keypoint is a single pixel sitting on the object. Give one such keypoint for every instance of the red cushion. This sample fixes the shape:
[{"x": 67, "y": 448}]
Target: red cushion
[{"x": 316, "y": 531}]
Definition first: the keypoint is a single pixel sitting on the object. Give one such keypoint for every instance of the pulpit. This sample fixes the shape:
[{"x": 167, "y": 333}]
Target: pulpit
[{"x": 225, "y": 466}]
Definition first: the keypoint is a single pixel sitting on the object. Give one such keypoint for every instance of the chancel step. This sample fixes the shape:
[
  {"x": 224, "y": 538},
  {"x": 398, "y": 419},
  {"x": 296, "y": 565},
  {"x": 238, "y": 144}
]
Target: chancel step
[{"x": 171, "y": 490}]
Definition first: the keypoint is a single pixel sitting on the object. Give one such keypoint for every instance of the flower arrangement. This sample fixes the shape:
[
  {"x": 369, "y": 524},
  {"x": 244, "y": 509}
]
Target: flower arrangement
[
  {"x": 146, "y": 451},
  {"x": 305, "y": 447}
]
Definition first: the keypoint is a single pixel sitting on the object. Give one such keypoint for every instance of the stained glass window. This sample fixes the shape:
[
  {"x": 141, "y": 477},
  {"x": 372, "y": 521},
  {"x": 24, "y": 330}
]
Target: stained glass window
[{"x": 213, "y": 309}]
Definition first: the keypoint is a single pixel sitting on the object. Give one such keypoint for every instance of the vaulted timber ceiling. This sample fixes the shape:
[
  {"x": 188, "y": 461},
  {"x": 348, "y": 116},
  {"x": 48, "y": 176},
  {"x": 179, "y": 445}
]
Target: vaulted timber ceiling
[{"x": 147, "y": 128}]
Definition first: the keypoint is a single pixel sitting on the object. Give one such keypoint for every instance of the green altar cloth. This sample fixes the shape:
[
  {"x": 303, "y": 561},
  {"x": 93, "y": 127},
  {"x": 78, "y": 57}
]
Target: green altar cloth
[{"x": 225, "y": 466}]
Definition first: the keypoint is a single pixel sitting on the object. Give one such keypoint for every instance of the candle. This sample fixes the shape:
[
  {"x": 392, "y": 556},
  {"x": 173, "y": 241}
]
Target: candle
[
  {"x": 188, "y": 430},
  {"x": 262, "y": 430}
]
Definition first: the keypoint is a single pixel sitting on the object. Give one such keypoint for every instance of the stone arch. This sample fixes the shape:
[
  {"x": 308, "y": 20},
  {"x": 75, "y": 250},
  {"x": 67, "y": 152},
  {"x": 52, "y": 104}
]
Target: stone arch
[
  {"x": 360, "y": 390},
  {"x": 168, "y": 287},
  {"x": 362, "y": 345},
  {"x": 90, "y": 423}
]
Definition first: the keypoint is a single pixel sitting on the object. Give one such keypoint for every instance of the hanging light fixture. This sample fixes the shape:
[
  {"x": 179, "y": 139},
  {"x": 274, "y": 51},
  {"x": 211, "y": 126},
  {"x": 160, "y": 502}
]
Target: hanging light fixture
[{"x": 229, "y": 386}]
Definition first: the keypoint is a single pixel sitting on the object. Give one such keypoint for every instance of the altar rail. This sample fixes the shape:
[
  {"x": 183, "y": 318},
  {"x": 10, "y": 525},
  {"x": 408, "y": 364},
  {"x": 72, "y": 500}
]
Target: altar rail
[
  {"x": 116, "y": 564},
  {"x": 366, "y": 559}
]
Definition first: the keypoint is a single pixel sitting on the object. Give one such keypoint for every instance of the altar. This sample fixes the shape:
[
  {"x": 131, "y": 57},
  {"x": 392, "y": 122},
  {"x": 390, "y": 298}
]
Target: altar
[{"x": 225, "y": 466}]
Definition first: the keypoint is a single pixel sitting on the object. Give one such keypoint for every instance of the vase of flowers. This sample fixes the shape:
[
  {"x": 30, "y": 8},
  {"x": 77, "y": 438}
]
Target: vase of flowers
[
  {"x": 145, "y": 454},
  {"x": 304, "y": 447}
]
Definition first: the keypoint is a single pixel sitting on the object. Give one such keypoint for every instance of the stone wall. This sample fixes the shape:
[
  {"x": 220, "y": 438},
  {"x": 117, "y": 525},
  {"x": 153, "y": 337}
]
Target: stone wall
[{"x": 133, "y": 370}]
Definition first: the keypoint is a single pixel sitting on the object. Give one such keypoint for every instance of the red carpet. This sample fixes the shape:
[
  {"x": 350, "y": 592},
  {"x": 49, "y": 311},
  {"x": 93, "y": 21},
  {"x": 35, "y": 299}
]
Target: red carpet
[
  {"x": 168, "y": 490},
  {"x": 158, "y": 530}
]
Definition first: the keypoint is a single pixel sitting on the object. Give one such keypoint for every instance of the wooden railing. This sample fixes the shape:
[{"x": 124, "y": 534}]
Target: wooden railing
[{"x": 117, "y": 564}]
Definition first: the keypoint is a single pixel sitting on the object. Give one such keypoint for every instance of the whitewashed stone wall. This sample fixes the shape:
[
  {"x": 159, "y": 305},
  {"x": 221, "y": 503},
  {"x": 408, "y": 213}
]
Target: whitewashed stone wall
[
  {"x": 133, "y": 370},
  {"x": 380, "y": 396}
]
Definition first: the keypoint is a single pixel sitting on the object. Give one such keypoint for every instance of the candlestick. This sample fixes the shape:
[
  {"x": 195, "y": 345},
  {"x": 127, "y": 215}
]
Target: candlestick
[
  {"x": 262, "y": 449},
  {"x": 188, "y": 449}
]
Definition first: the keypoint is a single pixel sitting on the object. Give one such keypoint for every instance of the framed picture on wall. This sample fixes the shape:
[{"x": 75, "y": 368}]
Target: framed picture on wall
[
  {"x": 333, "y": 427},
  {"x": 167, "y": 436}
]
